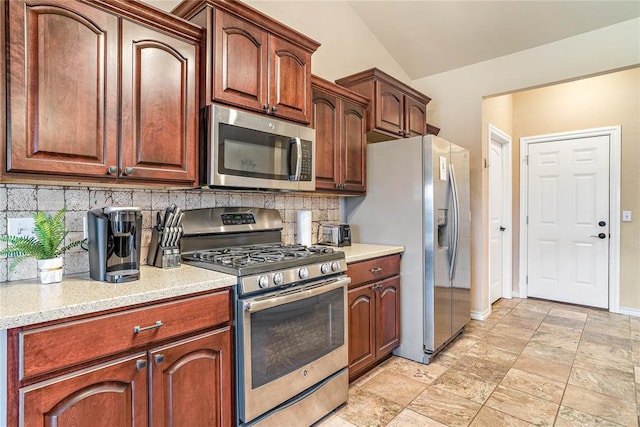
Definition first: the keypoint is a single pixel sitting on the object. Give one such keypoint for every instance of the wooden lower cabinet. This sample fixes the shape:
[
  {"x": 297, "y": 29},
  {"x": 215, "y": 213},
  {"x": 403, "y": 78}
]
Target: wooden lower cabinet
[
  {"x": 191, "y": 381},
  {"x": 110, "y": 394},
  {"x": 185, "y": 380},
  {"x": 374, "y": 312}
]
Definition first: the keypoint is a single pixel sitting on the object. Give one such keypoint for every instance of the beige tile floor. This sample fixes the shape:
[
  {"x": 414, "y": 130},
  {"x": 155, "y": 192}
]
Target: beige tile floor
[{"x": 531, "y": 362}]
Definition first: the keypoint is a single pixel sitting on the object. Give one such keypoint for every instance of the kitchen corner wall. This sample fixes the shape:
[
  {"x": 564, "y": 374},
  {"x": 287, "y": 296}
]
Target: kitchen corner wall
[{"x": 17, "y": 201}]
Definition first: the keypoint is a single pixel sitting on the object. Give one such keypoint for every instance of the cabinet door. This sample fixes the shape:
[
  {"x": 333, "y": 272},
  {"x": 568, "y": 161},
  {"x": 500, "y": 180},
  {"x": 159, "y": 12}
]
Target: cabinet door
[
  {"x": 415, "y": 116},
  {"x": 387, "y": 315},
  {"x": 159, "y": 106},
  {"x": 325, "y": 121},
  {"x": 362, "y": 337},
  {"x": 289, "y": 81},
  {"x": 240, "y": 57},
  {"x": 389, "y": 109},
  {"x": 354, "y": 144},
  {"x": 191, "y": 381},
  {"x": 63, "y": 89},
  {"x": 111, "y": 394}
]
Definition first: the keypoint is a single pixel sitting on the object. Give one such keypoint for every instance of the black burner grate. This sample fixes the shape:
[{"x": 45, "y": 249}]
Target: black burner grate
[{"x": 244, "y": 256}]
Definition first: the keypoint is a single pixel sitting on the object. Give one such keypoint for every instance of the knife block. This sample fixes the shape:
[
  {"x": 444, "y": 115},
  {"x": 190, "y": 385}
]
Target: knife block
[{"x": 162, "y": 256}]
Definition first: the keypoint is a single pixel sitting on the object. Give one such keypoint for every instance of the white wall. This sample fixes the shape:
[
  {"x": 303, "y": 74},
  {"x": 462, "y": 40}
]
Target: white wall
[
  {"x": 456, "y": 106},
  {"x": 347, "y": 44}
]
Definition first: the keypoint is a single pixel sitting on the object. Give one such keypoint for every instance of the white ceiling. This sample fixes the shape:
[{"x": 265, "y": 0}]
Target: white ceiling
[{"x": 428, "y": 37}]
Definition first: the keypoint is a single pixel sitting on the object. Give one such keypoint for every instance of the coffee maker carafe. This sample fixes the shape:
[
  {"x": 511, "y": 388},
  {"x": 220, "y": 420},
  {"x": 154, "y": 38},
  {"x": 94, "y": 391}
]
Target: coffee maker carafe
[{"x": 115, "y": 235}]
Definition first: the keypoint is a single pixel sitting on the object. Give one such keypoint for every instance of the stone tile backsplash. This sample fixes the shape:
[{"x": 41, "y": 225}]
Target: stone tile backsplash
[{"x": 20, "y": 200}]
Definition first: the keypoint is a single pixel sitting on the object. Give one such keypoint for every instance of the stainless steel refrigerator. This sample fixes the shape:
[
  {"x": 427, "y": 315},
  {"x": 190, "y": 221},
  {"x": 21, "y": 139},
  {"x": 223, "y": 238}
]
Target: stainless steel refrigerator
[{"x": 418, "y": 197}]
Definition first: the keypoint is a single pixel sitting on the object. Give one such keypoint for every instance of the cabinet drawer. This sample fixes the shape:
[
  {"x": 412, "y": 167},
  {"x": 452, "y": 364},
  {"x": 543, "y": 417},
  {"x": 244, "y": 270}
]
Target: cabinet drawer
[
  {"x": 66, "y": 344},
  {"x": 373, "y": 269}
]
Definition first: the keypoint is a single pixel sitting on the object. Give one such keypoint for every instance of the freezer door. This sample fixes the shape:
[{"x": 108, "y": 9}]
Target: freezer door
[
  {"x": 461, "y": 277},
  {"x": 438, "y": 286}
]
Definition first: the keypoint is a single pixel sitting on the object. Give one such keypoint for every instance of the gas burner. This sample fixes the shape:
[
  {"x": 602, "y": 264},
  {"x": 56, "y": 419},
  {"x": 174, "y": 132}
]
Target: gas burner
[{"x": 243, "y": 256}]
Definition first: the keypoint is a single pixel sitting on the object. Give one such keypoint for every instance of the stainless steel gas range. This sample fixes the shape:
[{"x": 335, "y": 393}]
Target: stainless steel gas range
[{"x": 290, "y": 314}]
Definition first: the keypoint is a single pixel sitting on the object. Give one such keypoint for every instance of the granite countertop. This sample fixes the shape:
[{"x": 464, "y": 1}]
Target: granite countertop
[
  {"x": 363, "y": 251},
  {"x": 28, "y": 302}
]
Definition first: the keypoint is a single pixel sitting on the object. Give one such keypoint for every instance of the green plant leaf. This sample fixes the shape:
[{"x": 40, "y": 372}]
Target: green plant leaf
[{"x": 50, "y": 233}]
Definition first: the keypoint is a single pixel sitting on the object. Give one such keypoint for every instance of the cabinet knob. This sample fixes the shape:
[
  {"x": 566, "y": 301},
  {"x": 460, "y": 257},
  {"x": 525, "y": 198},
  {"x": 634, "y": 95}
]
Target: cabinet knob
[
  {"x": 274, "y": 108},
  {"x": 401, "y": 132},
  {"x": 112, "y": 169},
  {"x": 141, "y": 364},
  {"x": 266, "y": 107},
  {"x": 158, "y": 358},
  {"x": 128, "y": 170}
]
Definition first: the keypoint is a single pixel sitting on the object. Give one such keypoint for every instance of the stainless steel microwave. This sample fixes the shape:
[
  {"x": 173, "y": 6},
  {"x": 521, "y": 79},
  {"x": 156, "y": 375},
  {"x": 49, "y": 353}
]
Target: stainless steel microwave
[{"x": 246, "y": 150}]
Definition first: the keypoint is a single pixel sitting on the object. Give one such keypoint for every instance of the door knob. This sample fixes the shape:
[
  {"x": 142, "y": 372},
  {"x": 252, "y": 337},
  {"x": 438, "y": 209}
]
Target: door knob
[
  {"x": 602, "y": 223},
  {"x": 600, "y": 236},
  {"x": 502, "y": 228}
]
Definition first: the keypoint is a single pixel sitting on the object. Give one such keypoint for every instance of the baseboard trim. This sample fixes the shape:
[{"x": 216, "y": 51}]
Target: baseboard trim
[
  {"x": 484, "y": 315},
  {"x": 635, "y": 312}
]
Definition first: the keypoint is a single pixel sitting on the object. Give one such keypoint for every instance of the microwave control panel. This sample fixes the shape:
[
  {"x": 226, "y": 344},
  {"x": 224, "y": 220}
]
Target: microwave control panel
[{"x": 306, "y": 171}]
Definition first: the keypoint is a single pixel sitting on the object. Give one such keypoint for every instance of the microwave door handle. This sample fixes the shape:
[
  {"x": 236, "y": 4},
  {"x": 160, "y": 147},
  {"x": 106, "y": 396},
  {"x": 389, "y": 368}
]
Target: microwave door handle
[{"x": 298, "y": 167}]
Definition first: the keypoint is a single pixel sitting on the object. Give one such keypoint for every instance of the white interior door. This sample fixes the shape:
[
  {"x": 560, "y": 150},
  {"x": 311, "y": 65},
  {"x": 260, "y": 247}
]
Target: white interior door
[
  {"x": 568, "y": 221},
  {"x": 496, "y": 221}
]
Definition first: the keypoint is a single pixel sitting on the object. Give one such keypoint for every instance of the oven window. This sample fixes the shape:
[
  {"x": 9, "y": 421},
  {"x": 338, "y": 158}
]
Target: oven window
[
  {"x": 287, "y": 337},
  {"x": 246, "y": 152}
]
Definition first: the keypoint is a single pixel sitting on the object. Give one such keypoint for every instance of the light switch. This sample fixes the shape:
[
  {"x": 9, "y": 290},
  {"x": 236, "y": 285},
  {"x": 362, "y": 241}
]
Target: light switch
[
  {"x": 20, "y": 227},
  {"x": 626, "y": 216}
]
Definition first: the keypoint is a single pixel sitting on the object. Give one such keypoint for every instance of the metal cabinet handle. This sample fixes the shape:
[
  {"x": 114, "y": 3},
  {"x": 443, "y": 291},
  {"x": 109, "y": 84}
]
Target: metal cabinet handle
[
  {"x": 156, "y": 325},
  {"x": 141, "y": 364},
  {"x": 376, "y": 270},
  {"x": 158, "y": 358}
]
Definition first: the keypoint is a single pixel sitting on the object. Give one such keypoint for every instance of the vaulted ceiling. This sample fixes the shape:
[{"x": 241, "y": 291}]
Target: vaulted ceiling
[{"x": 428, "y": 37}]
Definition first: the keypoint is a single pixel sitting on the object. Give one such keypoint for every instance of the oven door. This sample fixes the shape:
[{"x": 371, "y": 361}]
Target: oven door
[{"x": 289, "y": 341}]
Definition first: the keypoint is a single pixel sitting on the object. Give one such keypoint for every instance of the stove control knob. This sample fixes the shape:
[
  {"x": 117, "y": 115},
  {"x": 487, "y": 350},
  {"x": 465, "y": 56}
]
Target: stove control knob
[
  {"x": 325, "y": 268},
  {"x": 278, "y": 279},
  {"x": 335, "y": 266},
  {"x": 303, "y": 273},
  {"x": 263, "y": 282}
]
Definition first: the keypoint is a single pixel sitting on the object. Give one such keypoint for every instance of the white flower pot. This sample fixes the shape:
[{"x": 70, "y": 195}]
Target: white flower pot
[{"x": 50, "y": 270}]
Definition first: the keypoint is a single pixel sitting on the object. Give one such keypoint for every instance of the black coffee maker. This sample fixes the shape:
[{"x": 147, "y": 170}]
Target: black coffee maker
[{"x": 115, "y": 235}]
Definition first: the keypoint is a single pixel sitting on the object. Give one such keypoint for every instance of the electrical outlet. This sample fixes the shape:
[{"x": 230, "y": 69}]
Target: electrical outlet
[{"x": 21, "y": 227}]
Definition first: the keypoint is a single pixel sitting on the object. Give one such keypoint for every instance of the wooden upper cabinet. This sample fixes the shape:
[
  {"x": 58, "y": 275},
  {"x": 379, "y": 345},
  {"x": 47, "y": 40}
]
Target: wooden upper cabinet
[
  {"x": 339, "y": 120},
  {"x": 416, "y": 117},
  {"x": 240, "y": 60},
  {"x": 290, "y": 80},
  {"x": 159, "y": 106},
  {"x": 354, "y": 149},
  {"x": 395, "y": 109},
  {"x": 78, "y": 72},
  {"x": 63, "y": 88},
  {"x": 389, "y": 111},
  {"x": 252, "y": 62}
]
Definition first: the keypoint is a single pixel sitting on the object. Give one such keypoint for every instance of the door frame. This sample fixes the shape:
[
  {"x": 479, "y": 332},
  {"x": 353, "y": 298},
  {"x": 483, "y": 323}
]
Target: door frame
[
  {"x": 501, "y": 137},
  {"x": 613, "y": 132}
]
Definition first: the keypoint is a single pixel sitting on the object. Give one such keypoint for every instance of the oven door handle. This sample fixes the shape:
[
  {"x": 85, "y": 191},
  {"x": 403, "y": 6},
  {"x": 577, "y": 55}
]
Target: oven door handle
[{"x": 254, "y": 305}]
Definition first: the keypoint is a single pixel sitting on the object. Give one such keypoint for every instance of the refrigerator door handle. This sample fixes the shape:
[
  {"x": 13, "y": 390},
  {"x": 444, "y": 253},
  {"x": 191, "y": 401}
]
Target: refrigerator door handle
[{"x": 456, "y": 222}]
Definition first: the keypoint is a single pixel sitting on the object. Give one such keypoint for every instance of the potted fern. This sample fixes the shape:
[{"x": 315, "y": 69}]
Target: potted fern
[{"x": 46, "y": 246}]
